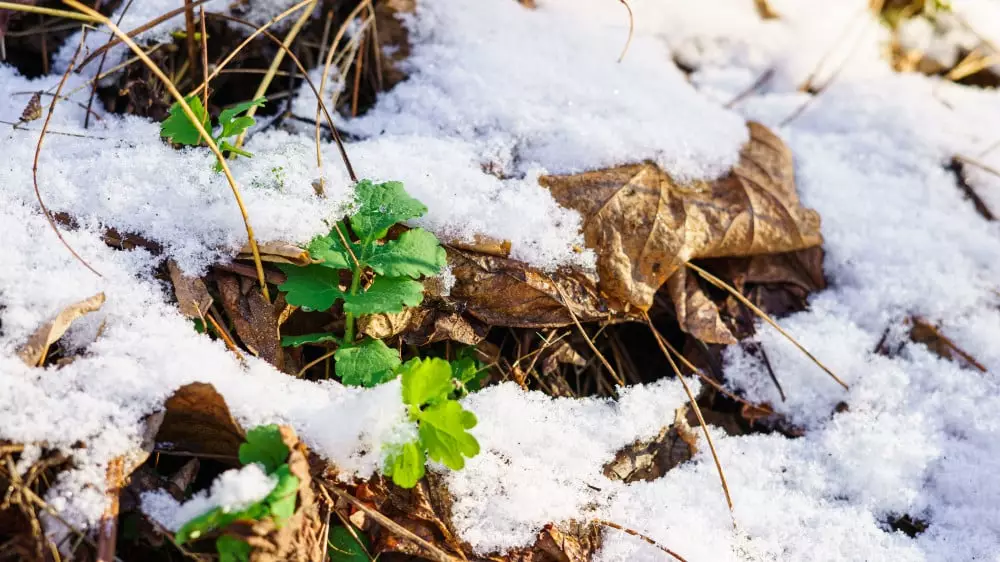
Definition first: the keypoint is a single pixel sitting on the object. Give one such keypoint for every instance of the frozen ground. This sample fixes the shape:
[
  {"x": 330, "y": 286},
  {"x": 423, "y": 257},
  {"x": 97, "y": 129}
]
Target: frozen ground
[{"x": 541, "y": 91}]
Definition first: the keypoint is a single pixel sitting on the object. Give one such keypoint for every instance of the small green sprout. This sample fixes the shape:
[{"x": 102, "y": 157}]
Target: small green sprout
[
  {"x": 264, "y": 446},
  {"x": 179, "y": 129}
]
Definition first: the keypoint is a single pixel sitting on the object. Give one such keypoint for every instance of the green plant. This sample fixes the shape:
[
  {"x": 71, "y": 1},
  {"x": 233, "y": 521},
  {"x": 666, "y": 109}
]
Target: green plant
[
  {"x": 384, "y": 277},
  {"x": 393, "y": 267},
  {"x": 264, "y": 446},
  {"x": 178, "y": 128}
]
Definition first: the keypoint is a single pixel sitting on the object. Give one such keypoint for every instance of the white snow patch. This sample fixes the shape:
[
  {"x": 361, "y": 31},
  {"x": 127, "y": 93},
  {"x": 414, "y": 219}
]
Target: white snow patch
[{"x": 233, "y": 490}]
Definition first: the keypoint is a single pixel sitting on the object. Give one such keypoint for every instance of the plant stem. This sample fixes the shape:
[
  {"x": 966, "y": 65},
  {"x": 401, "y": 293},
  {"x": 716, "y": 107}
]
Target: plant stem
[{"x": 349, "y": 316}]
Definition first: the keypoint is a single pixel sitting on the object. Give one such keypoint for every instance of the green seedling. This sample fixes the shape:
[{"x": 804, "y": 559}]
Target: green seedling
[
  {"x": 264, "y": 446},
  {"x": 384, "y": 278},
  {"x": 179, "y": 129},
  {"x": 392, "y": 267}
]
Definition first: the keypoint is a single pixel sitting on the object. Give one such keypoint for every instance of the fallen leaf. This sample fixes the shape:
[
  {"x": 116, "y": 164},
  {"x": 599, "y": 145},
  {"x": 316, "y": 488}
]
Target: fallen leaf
[
  {"x": 561, "y": 353},
  {"x": 484, "y": 245},
  {"x": 254, "y": 318},
  {"x": 647, "y": 460},
  {"x": 278, "y": 252},
  {"x": 926, "y": 333},
  {"x": 198, "y": 421},
  {"x": 696, "y": 313},
  {"x": 570, "y": 541},
  {"x": 504, "y": 292},
  {"x": 33, "y": 110},
  {"x": 192, "y": 295},
  {"x": 644, "y": 226},
  {"x": 424, "y": 326},
  {"x": 34, "y": 350}
]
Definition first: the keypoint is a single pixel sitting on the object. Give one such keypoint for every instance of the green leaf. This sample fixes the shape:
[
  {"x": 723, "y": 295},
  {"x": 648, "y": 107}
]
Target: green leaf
[
  {"x": 331, "y": 250},
  {"x": 425, "y": 381},
  {"x": 343, "y": 547},
  {"x": 282, "y": 498},
  {"x": 469, "y": 371},
  {"x": 296, "y": 341},
  {"x": 443, "y": 431},
  {"x": 232, "y": 549},
  {"x": 367, "y": 363},
  {"x": 406, "y": 465},
  {"x": 224, "y": 146},
  {"x": 264, "y": 445},
  {"x": 236, "y": 126},
  {"x": 381, "y": 206},
  {"x": 218, "y": 519},
  {"x": 313, "y": 286},
  {"x": 415, "y": 253},
  {"x": 178, "y": 128},
  {"x": 228, "y": 114},
  {"x": 386, "y": 294}
]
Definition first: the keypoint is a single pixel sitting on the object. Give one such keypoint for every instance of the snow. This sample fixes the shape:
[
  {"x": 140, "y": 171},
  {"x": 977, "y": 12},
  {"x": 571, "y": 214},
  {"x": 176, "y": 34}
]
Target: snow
[
  {"x": 233, "y": 490},
  {"x": 533, "y": 92}
]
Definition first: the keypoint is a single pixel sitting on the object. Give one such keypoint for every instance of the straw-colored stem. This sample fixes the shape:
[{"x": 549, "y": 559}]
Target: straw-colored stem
[
  {"x": 48, "y": 12},
  {"x": 197, "y": 124}
]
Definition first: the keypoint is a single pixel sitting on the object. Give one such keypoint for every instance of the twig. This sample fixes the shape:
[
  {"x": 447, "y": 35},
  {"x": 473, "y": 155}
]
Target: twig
[
  {"x": 265, "y": 82},
  {"x": 631, "y": 28},
  {"x": 590, "y": 343},
  {"x": 38, "y": 152},
  {"x": 697, "y": 412},
  {"x": 432, "y": 552},
  {"x": 635, "y": 533},
  {"x": 198, "y": 125},
  {"x": 746, "y": 302}
]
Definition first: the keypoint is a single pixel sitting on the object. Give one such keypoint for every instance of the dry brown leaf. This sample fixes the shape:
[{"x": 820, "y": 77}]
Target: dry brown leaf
[
  {"x": 415, "y": 510},
  {"x": 393, "y": 37},
  {"x": 926, "y": 333},
  {"x": 255, "y": 319},
  {"x": 278, "y": 252},
  {"x": 644, "y": 226},
  {"x": 423, "y": 326},
  {"x": 697, "y": 314},
  {"x": 198, "y": 421},
  {"x": 34, "y": 350},
  {"x": 33, "y": 110},
  {"x": 301, "y": 538},
  {"x": 561, "y": 353},
  {"x": 504, "y": 292},
  {"x": 568, "y": 542},
  {"x": 484, "y": 245},
  {"x": 191, "y": 293},
  {"x": 647, "y": 460}
]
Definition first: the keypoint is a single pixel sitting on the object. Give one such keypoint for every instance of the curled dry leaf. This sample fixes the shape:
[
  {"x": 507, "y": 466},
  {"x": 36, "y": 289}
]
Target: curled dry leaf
[
  {"x": 423, "y": 326},
  {"x": 568, "y": 542},
  {"x": 278, "y": 252},
  {"x": 301, "y": 538},
  {"x": 33, "y": 110},
  {"x": 505, "y": 292},
  {"x": 644, "y": 226},
  {"x": 34, "y": 350},
  {"x": 192, "y": 295},
  {"x": 198, "y": 421}
]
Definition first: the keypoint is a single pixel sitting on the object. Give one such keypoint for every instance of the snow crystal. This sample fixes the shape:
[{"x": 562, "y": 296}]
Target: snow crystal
[{"x": 233, "y": 490}]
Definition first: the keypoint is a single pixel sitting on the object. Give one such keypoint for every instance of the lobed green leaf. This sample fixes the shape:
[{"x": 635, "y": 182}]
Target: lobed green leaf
[
  {"x": 313, "y": 286},
  {"x": 425, "y": 381},
  {"x": 405, "y": 465},
  {"x": 381, "y": 206},
  {"x": 367, "y": 363},
  {"x": 414, "y": 254},
  {"x": 178, "y": 128},
  {"x": 296, "y": 341},
  {"x": 264, "y": 446},
  {"x": 443, "y": 432},
  {"x": 386, "y": 294}
]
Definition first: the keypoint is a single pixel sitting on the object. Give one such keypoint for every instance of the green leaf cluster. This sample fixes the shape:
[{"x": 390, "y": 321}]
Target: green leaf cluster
[
  {"x": 180, "y": 129},
  {"x": 397, "y": 266},
  {"x": 428, "y": 388},
  {"x": 263, "y": 446}
]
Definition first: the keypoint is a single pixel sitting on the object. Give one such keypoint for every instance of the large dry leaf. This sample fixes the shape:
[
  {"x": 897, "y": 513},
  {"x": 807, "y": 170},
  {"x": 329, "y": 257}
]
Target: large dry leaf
[
  {"x": 505, "y": 292},
  {"x": 34, "y": 350},
  {"x": 644, "y": 226},
  {"x": 198, "y": 421},
  {"x": 423, "y": 326},
  {"x": 192, "y": 295},
  {"x": 255, "y": 319}
]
